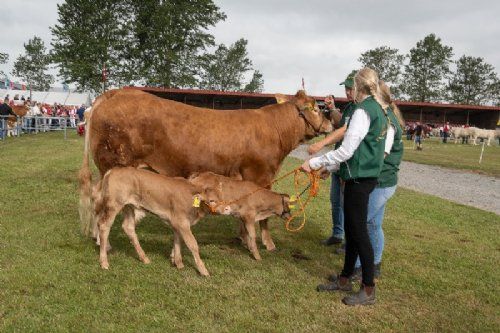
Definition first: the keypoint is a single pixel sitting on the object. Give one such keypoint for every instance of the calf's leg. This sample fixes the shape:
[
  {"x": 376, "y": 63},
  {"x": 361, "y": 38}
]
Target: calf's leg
[
  {"x": 105, "y": 223},
  {"x": 176, "y": 255},
  {"x": 129, "y": 228},
  {"x": 252, "y": 245},
  {"x": 192, "y": 244},
  {"x": 266, "y": 236}
]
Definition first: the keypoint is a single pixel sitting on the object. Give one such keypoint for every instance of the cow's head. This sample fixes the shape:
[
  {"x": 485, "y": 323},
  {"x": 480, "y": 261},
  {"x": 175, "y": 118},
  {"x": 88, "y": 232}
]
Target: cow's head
[{"x": 307, "y": 108}]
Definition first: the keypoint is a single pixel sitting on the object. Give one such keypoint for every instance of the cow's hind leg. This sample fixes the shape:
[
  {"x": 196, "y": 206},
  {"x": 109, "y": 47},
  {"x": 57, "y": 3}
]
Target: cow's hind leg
[
  {"x": 129, "y": 228},
  {"x": 185, "y": 231}
]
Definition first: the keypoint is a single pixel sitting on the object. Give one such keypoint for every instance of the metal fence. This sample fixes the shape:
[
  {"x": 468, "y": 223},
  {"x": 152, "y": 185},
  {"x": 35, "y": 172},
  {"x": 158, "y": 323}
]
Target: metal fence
[{"x": 34, "y": 124}]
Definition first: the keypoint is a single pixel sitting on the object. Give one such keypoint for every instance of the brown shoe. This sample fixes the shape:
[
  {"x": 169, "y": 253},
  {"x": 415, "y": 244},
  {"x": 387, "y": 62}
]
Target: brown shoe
[{"x": 365, "y": 296}]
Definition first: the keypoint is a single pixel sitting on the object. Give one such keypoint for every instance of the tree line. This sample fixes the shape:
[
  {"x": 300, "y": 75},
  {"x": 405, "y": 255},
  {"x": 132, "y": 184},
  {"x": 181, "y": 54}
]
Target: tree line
[
  {"x": 148, "y": 42},
  {"x": 167, "y": 44},
  {"x": 430, "y": 74}
]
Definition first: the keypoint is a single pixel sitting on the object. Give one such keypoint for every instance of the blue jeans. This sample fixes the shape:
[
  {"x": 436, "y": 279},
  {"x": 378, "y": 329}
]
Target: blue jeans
[
  {"x": 376, "y": 209},
  {"x": 336, "y": 201}
]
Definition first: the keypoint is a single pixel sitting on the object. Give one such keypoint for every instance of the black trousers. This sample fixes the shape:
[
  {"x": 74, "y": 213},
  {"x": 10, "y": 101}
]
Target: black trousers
[{"x": 356, "y": 196}]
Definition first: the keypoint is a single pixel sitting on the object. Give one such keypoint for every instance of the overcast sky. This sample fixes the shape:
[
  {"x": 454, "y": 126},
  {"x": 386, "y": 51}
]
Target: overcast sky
[{"x": 318, "y": 40}]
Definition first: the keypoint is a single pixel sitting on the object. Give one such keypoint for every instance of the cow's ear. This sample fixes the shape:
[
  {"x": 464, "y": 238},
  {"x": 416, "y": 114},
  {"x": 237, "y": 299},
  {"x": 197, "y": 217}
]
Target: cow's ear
[
  {"x": 301, "y": 94},
  {"x": 280, "y": 98}
]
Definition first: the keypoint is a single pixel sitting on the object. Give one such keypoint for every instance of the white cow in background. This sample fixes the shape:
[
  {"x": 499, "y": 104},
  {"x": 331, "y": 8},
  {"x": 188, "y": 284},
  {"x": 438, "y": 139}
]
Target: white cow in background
[
  {"x": 460, "y": 132},
  {"x": 479, "y": 133}
]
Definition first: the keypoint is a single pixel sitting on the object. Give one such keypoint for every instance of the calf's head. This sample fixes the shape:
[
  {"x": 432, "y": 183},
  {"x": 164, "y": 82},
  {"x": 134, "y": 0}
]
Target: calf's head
[{"x": 316, "y": 121}]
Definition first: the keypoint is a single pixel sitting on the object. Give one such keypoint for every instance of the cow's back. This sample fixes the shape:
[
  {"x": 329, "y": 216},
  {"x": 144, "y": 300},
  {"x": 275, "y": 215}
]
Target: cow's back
[{"x": 133, "y": 128}]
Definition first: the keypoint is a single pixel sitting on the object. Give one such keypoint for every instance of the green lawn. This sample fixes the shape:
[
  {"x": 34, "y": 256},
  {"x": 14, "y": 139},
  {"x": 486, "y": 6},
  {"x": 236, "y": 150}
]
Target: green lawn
[
  {"x": 440, "y": 268},
  {"x": 456, "y": 156}
]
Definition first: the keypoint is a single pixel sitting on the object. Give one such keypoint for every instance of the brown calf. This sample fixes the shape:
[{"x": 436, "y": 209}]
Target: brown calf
[
  {"x": 171, "y": 199},
  {"x": 245, "y": 200}
]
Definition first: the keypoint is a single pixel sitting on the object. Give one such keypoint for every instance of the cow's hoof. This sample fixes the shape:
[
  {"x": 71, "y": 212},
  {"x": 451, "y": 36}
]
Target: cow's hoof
[
  {"x": 204, "y": 273},
  {"x": 104, "y": 265},
  {"x": 270, "y": 247},
  {"x": 179, "y": 265},
  {"x": 146, "y": 260}
]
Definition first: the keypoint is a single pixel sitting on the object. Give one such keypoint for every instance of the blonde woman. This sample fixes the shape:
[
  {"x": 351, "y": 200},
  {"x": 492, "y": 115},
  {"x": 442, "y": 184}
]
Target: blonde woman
[{"x": 359, "y": 160}]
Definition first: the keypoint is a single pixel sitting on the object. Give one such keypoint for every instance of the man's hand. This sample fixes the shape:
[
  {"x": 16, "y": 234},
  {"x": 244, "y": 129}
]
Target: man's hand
[
  {"x": 305, "y": 166},
  {"x": 330, "y": 102},
  {"x": 315, "y": 147}
]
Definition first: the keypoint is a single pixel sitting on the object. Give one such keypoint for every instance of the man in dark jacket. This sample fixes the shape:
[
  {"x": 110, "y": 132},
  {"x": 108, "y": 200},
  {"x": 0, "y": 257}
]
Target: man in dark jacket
[{"x": 5, "y": 111}]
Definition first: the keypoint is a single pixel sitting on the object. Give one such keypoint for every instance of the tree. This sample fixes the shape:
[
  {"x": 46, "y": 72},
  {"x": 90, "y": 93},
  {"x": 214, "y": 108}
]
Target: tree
[
  {"x": 225, "y": 69},
  {"x": 168, "y": 38},
  {"x": 4, "y": 57},
  {"x": 472, "y": 82},
  {"x": 495, "y": 92},
  {"x": 256, "y": 84},
  {"x": 92, "y": 35},
  {"x": 33, "y": 65},
  {"x": 427, "y": 69},
  {"x": 388, "y": 62}
]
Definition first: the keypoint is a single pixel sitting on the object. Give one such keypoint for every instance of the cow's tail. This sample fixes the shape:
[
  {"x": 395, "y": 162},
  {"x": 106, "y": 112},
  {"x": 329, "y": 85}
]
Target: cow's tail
[{"x": 85, "y": 184}]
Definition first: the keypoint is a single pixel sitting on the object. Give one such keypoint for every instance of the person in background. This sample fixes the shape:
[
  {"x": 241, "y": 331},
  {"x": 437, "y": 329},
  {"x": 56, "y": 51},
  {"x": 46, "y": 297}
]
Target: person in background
[
  {"x": 72, "y": 116},
  {"x": 446, "y": 131},
  {"x": 337, "y": 235},
  {"x": 5, "y": 111},
  {"x": 418, "y": 135},
  {"x": 80, "y": 112},
  {"x": 360, "y": 159}
]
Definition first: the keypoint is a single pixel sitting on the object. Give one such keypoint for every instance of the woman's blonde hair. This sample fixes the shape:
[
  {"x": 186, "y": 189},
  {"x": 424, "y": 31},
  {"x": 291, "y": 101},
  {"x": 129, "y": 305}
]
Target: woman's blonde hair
[
  {"x": 385, "y": 92},
  {"x": 366, "y": 81}
]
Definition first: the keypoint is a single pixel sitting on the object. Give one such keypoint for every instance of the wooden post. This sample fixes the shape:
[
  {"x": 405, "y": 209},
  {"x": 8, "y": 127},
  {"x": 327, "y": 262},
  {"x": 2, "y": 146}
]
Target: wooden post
[
  {"x": 213, "y": 103},
  {"x": 241, "y": 103},
  {"x": 420, "y": 115},
  {"x": 468, "y": 117}
]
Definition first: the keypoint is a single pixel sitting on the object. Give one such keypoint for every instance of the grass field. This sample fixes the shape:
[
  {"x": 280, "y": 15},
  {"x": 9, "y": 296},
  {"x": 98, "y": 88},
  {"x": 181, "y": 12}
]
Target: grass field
[
  {"x": 456, "y": 156},
  {"x": 440, "y": 268}
]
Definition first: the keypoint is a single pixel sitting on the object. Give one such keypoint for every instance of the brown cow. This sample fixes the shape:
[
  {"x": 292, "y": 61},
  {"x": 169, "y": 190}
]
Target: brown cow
[
  {"x": 133, "y": 128},
  {"x": 245, "y": 200}
]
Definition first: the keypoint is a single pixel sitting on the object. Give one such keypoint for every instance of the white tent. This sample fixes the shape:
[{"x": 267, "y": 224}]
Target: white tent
[{"x": 51, "y": 97}]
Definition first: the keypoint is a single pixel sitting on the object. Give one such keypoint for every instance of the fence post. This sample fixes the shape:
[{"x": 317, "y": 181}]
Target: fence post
[{"x": 482, "y": 151}]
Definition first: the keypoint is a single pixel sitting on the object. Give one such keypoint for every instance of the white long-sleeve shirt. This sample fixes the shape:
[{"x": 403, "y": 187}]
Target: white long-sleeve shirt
[{"x": 358, "y": 128}]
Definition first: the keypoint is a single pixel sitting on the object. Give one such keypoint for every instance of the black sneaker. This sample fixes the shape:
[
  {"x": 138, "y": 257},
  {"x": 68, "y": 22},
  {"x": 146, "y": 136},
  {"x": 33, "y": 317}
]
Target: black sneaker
[
  {"x": 331, "y": 241},
  {"x": 334, "y": 286},
  {"x": 360, "y": 298}
]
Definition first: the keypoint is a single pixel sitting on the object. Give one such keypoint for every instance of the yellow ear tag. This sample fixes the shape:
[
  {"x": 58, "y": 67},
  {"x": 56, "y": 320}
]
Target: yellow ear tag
[
  {"x": 293, "y": 198},
  {"x": 196, "y": 202},
  {"x": 291, "y": 206}
]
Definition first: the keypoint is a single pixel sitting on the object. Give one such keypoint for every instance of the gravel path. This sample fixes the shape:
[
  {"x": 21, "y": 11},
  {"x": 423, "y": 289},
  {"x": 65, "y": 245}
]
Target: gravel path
[{"x": 462, "y": 187}]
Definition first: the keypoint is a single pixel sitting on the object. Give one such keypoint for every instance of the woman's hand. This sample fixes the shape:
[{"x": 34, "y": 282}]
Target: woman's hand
[
  {"x": 315, "y": 147},
  {"x": 324, "y": 173},
  {"x": 305, "y": 166}
]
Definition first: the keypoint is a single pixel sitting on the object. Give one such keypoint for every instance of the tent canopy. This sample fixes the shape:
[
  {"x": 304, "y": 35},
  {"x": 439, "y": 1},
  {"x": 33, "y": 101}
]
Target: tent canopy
[{"x": 51, "y": 97}]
